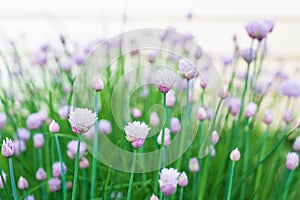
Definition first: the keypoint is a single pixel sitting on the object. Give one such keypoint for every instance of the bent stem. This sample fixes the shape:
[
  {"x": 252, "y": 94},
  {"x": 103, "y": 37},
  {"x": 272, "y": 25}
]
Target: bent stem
[
  {"x": 13, "y": 184},
  {"x": 132, "y": 175},
  {"x": 64, "y": 188},
  {"x": 76, "y": 169},
  {"x": 95, "y": 150},
  {"x": 230, "y": 181}
]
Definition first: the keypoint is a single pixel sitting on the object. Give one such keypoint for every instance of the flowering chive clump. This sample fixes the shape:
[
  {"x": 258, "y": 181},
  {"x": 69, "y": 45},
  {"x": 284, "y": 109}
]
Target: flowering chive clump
[{"x": 199, "y": 106}]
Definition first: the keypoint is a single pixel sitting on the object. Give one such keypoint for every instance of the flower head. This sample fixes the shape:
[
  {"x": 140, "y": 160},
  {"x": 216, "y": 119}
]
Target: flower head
[
  {"x": 270, "y": 24},
  {"x": 214, "y": 137},
  {"x": 290, "y": 88},
  {"x": 154, "y": 197},
  {"x": 97, "y": 84},
  {"x": 248, "y": 54},
  {"x": 136, "y": 133},
  {"x": 83, "y": 163},
  {"x": 23, "y": 134},
  {"x": 257, "y": 29},
  {"x": 168, "y": 181},
  {"x": 56, "y": 169},
  {"x": 188, "y": 70},
  {"x": 3, "y": 120},
  {"x": 234, "y": 105},
  {"x": 194, "y": 165},
  {"x": 54, "y": 127},
  {"x": 296, "y": 145},
  {"x": 104, "y": 127},
  {"x": 292, "y": 160},
  {"x": 54, "y": 184},
  {"x": 8, "y": 148},
  {"x": 72, "y": 149},
  {"x": 183, "y": 180},
  {"x": 165, "y": 79},
  {"x": 154, "y": 119},
  {"x": 38, "y": 140},
  {"x": 81, "y": 120},
  {"x": 235, "y": 155},
  {"x": 41, "y": 174},
  {"x": 250, "y": 109},
  {"x": 22, "y": 183},
  {"x": 268, "y": 117},
  {"x": 175, "y": 125},
  {"x": 34, "y": 121},
  {"x": 170, "y": 98},
  {"x": 201, "y": 114}
]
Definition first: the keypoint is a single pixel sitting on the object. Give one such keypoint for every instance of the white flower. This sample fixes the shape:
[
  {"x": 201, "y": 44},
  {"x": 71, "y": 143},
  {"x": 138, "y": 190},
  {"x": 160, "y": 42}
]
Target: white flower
[
  {"x": 168, "y": 181},
  {"x": 136, "y": 130},
  {"x": 165, "y": 79},
  {"x": 81, "y": 120}
]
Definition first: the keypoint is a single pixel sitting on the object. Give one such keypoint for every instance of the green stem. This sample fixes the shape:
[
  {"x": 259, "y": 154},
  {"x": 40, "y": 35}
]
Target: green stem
[
  {"x": 132, "y": 175},
  {"x": 181, "y": 193},
  {"x": 230, "y": 181},
  {"x": 5, "y": 187},
  {"x": 216, "y": 114},
  {"x": 64, "y": 188},
  {"x": 246, "y": 82},
  {"x": 163, "y": 154},
  {"x": 287, "y": 183},
  {"x": 261, "y": 154},
  {"x": 76, "y": 169},
  {"x": 95, "y": 150},
  {"x": 84, "y": 184},
  {"x": 13, "y": 184}
]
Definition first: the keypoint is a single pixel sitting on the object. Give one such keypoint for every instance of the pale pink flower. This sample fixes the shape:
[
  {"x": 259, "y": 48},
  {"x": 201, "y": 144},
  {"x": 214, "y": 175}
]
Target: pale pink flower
[
  {"x": 136, "y": 133},
  {"x": 296, "y": 145},
  {"x": 168, "y": 181},
  {"x": 54, "y": 127},
  {"x": 41, "y": 174},
  {"x": 194, "y": 165},
  {"x": 167, "y": 139},
  {"x": 4, "y": 178},
  {"x": 235, "y": 155},
  {"x": 81, "y": 120},
  {"x": 56, "y": 169},
  {"x": 292, "y": 160},
  {"x": 183, "y": 180},
  {"x": 22, "y": 183},
  {"x": 97, "y": 84},
  {"x": 8, "y": 148},
  {"x": 72, "y": 149},
  {"x": 170, "y": 99},
  {"x": 214, "y": 137},
  {"x": 165, "y": 79},
  {"x": 38, "y": 140},
  {"x": 54, "y": 184}
]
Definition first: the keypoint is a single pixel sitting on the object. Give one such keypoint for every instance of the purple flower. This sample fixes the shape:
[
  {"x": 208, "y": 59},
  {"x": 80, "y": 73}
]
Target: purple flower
[
  {"x": 234, "y": 105},
  {"x": 8, "y": 148},
  {"x": 105, "y": 127},
  {"x": 83, "y": 163},
  {"x": 22, "y": 183},
  {"x": 23, "y": 134},
  {"x": 154, "y": 119},
  {"x": 250, "y": 109},
  {"x": 34, "y": 121},
  {"x": 215, "y": 137},
  {"x": 183, "y": 180},
  {"x": 257, "y": 29},
  {"x": 270, "y": 24},
  {"x": 290, "y": 88},
  {"x": 20, "y": 146},
  {"x": 188, "y": 70},
  {"x": 268, "y": 117},
  {"x": 175, "y": 125},
  {"x": 287, "y": 116},
  {"x": 296, "y": 145},
  {"x": 56, "y": 169},
  {"x": 168, "y": 181},
  {"x": 54, "y": 184},
  {"x": 202, "y": 114},
  {"x": 78, "y": 58},
  {"x": 292, "y": 160},
  {"x": 54, "y": 127},
  {"x": 137, "y": 113},
  {"x": 41, "y": 174},
  {"x": 72, "y": 149},
  {"x": 136, "y": 133},
  {"x": 194, "y": 165},
  {"x": 63, "y": 111},
  {"x": 170, "y": 99},
  {"x": 38, "y": 140},
  {"x": 248, "y": 54},
  {"x": 165, "y": 79},
  {"x": 97, "y": 84},
  {"x": 3, "y": 120}
]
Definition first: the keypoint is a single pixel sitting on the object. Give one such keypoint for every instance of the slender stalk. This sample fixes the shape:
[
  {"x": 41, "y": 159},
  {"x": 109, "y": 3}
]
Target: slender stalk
[
  {"x": 287, "y": 183},
  {"x": 76, "y": 169},
  {"x": 40, "y": 153},
  {"x": 13, "y": 184},
  {"x": 163, "y": 155},
  {"x": 85, "y": 184},
  {"x": 132, "y": 175},
  {"x": 95, "y": 150},
  {"x": 246, "y": 82},
  {"x": 181, "y": 193},
  {"x": 230, "y": 181},
  {"x": 64, "y": 188},
  {"x": 261, "y": 154},
  {"x": 217, "y": 111},
  {"x": 246, "y": 155}
]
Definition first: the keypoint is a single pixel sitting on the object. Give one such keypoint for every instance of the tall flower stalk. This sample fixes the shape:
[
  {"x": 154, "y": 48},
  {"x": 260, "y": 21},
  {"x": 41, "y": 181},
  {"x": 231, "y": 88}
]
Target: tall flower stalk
[
  {"x": 131, "y": 175},
  {"x": 234, "y": 157},
  {"x": 76, "y": 170}
]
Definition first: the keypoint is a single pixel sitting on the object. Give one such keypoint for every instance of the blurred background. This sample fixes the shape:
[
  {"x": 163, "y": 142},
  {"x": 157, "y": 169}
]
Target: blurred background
[{"x": 32, "y": 23}]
